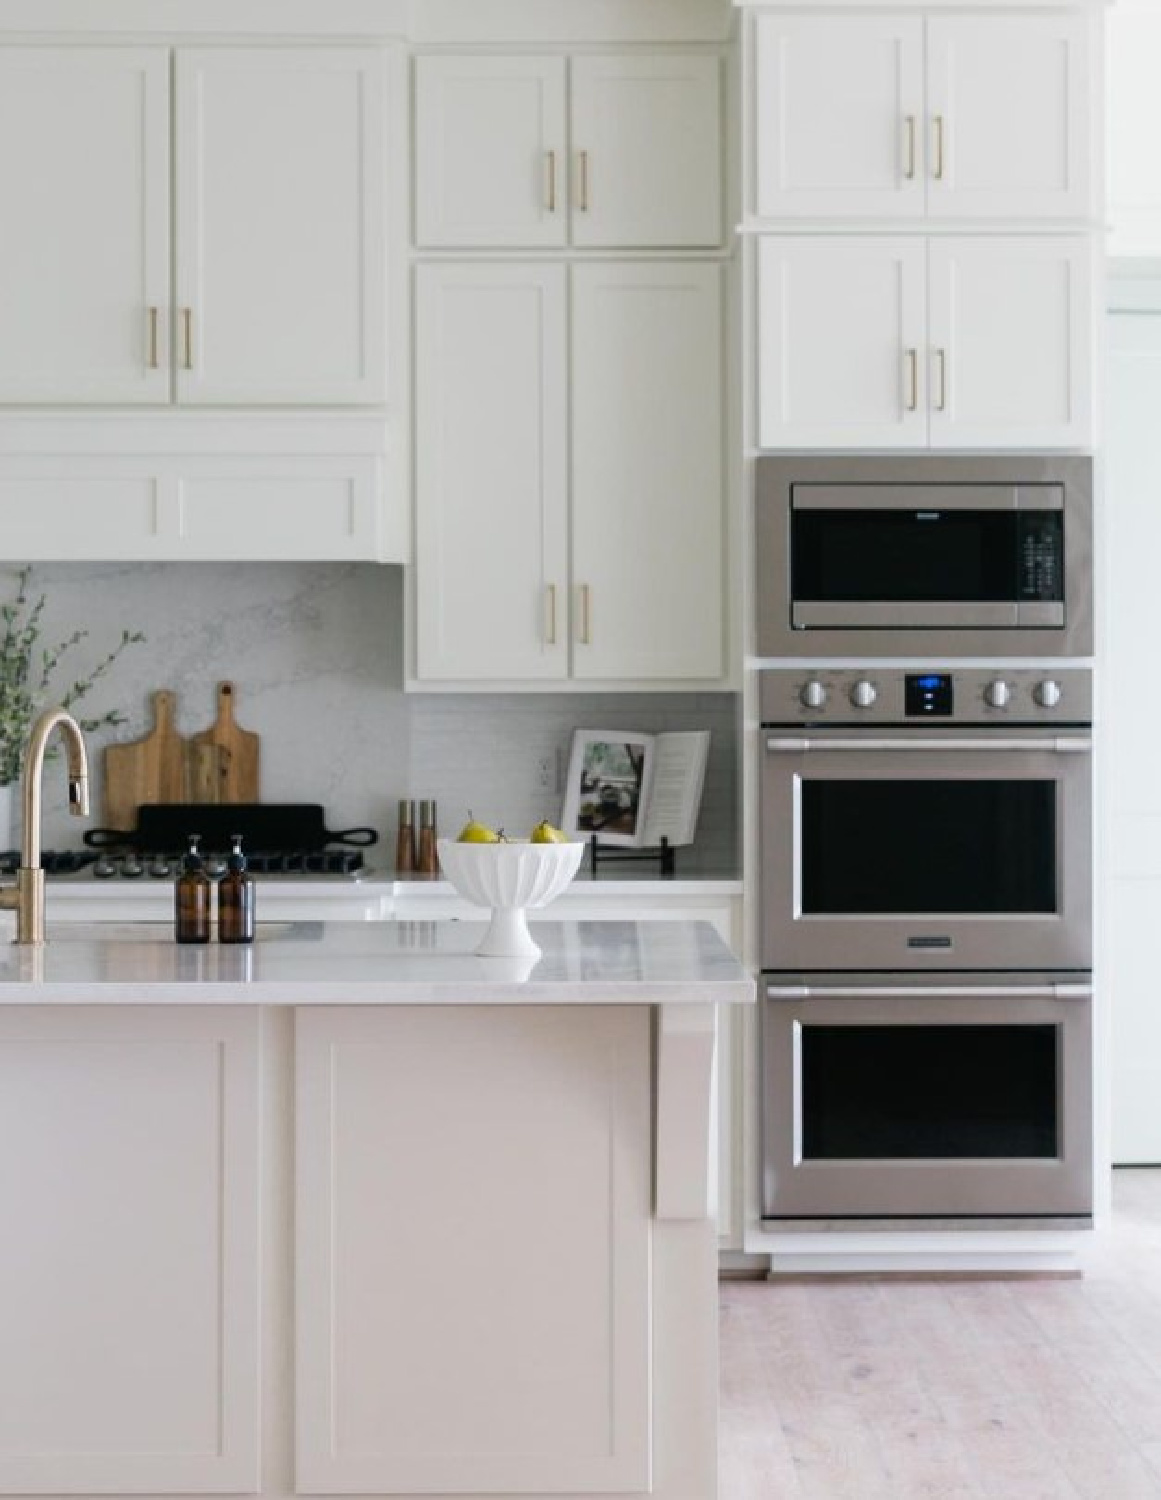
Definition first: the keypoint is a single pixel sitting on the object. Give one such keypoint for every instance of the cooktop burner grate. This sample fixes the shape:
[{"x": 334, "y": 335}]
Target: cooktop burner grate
[{"x": 111, "y": 865}]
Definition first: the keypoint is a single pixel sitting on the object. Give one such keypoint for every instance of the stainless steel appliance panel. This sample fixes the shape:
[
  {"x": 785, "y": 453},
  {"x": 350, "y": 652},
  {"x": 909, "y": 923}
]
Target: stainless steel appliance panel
[
  {"x": 890, "y": 1098},
  {"x": 917, "y": 555}
]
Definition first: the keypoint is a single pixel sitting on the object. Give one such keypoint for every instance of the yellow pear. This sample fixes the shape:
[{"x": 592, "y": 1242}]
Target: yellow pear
[
  {"x": 545, "y": 833},
  {"x": 477, "y": 833}
]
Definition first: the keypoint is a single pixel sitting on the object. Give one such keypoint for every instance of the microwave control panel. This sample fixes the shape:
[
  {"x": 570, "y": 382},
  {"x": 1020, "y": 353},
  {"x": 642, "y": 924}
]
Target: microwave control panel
[{"x": 869, "y": 695}]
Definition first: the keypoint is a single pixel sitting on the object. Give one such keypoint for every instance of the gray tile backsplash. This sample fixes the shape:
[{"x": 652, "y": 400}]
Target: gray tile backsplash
[{"x": 316, "y": 654}]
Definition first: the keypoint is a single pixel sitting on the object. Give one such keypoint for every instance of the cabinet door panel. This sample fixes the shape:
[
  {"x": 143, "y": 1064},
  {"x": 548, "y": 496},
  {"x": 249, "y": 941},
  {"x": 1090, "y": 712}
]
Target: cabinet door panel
[
  {"x": 490, "y": 163},
  {"x": 1010, "y": 98},
  {"x": 648, "y": 481},
  {"x": 281, "y": 251},
  {"x": 527, "y": 1127},
  {"x": 839, "y": 115},
  {"x": 649, "y": 129},
  {"x": 840, "y": 343},
  {"x": 491, "y": 476},
  {"x": 129, "y": 1258},
  {"x": 84, "y": 252},
  {"x": 1010, "y": 324}
]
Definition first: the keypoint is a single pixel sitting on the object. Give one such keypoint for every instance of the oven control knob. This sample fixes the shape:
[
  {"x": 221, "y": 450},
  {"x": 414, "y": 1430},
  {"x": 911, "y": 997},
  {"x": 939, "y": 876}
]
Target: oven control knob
[
  {"x": 813, "y": 694},
  {"x": 1047, "y": 693},
  {"x": 864, "y": 694},
  {"x": 998, "y": 694}
]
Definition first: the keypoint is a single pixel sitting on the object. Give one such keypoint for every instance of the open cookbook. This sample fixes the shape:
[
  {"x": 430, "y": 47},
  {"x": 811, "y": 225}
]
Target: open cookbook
[{"x": 633, "y": 788}]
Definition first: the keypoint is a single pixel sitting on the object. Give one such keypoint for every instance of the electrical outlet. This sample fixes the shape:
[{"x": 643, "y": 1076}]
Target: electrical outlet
[{"x": 545, "y": 773}]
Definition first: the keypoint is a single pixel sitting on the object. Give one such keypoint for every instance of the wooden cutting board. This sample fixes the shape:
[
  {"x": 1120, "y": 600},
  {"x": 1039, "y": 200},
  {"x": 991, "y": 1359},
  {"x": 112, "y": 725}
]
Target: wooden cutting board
[
  {"x": 152, "y": 769},
  {"x": 224, "y": 758}
]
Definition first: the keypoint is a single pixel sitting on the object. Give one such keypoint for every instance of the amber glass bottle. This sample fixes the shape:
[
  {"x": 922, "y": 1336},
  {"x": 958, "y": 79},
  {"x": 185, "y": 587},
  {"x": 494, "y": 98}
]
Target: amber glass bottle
[
  {"x": 236, "y": 898},
  {"x": 191, "y": 898}
]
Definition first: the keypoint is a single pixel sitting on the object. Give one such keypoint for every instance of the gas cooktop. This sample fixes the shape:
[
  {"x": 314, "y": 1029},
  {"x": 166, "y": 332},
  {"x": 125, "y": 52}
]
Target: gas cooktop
[{"x": 101, "y": 864}]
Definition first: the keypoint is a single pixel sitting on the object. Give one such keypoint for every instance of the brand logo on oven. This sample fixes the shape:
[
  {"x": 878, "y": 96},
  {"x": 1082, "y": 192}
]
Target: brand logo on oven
[{"x": 937, "y": 940}]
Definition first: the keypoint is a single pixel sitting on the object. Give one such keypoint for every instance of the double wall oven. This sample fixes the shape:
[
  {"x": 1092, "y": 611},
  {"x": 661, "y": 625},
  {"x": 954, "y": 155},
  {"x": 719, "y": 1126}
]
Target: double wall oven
[{"x": 925, "y": 891}]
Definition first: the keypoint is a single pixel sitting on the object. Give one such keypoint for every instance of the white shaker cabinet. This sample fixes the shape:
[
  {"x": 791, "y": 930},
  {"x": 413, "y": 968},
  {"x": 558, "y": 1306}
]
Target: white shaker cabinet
[
  {"x": 596, "y": 151},
  {"x": 901, "y": 116},
  {"x": 491, "y": 526},
  {"x": 278, "y": 200},
  {"x": 85, "y": 248},
  {"x": 569, "y": 500},
  {"x": 909, "y": 342},
  {"x": 533, "y": 1375},
  {"x": 129, "y": 1261},
  {"x": 281, "y": 254},
  {"x": 647, "y": 471}
]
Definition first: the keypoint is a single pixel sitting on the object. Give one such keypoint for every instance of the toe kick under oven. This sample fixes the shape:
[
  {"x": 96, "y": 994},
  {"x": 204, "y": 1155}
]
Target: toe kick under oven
[{"x": 926, "y": 921}]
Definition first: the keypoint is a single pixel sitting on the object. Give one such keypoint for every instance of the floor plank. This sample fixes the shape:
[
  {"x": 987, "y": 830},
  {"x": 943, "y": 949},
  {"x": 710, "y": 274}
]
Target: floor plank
[{"x": 953, "y": 1390}]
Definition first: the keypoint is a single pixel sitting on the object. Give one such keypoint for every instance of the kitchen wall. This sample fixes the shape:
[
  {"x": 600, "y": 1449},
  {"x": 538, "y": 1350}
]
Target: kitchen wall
[{"x": 316, "y": 654}]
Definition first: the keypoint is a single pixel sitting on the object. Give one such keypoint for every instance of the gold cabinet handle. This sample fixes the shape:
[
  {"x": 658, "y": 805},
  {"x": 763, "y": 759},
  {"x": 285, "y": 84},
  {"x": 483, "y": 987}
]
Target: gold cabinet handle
[
  {"x": 187, "y": 337},
  {"x": 909, "y": 146},
  {"x": 911, "y": 358},
  {"x": 550, "y": 166},
  {"x": 583, "y": 191},
  {"x": 154, "y": 356},
  {"x": 941, "y": 382},
  {"x": 586, "y": 632},
  {"x": 937, "y": 167},
  {"x": 550, "y": 608}
]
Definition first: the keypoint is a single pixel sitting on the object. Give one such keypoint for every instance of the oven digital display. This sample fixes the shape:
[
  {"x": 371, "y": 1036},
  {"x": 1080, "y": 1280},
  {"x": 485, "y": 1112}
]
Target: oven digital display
[{"x": 928, "y": 695}]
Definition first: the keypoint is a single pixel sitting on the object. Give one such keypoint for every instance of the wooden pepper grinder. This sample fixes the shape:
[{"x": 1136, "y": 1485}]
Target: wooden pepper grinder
[
  {"x": 427, "y": 861},
  {"x": 405, "y": 853}
]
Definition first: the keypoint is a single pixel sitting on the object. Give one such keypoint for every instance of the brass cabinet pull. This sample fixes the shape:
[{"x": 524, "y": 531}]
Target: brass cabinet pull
[
  {"x": 941, "y": 383},
  {"x": 937, "y": 168},
  {"x": 583, "y": 203},
  {"x": 912, "y": 361},
  {"x": 187, "y": 337},
  {"x": 909, "y": 153},
  {"x": 550, "y": 602},
  {"x": 586, "y": 634},
  {"x": 550, "y": 162},
  {"x": 154, "y": 358}
]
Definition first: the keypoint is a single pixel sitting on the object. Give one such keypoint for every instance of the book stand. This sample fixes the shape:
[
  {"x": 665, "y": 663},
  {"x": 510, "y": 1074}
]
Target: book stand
[{"x": 664, "y": 855}]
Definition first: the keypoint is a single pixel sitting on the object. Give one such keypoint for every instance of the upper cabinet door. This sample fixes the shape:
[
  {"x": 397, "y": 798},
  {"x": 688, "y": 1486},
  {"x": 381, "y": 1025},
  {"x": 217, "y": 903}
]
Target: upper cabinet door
[
  {"x": 281, "y": 253},
  {"x": 839, "y": 116},
  {"x": 841, "y": 341},
  {"x": 1011, "y": 335},
  {"x": 646, "y": 151},
  {"x": 490, "y": 151},
  {"x": 491, "y": 476},
  {"x": 648, "y": 479},
  {"x": 84, "y": 250},
  {"x": 1008, "y": 116}
]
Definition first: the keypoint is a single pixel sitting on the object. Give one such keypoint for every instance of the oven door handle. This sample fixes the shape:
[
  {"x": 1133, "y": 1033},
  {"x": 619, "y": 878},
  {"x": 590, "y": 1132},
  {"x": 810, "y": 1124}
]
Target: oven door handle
[
  {"x": 928, "y": 991},
  {"x": 1055, "y": 744}
]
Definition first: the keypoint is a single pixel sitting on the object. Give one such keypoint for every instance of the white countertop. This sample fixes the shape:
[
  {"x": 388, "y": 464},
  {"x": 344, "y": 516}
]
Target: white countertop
[{"x": 375, "y": 963}]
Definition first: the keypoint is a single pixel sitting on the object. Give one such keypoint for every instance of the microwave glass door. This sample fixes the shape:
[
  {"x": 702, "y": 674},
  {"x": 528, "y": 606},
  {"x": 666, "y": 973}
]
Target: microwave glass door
[{"x": 942, "y": 556}]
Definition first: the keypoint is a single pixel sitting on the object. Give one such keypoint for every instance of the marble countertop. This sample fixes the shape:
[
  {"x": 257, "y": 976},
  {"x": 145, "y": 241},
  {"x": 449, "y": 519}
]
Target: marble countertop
[{"x": 377, "y": 963}]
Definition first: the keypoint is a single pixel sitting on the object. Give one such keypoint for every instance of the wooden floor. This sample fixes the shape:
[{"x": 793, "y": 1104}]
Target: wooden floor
[{"x": 1009, "y": 1390}]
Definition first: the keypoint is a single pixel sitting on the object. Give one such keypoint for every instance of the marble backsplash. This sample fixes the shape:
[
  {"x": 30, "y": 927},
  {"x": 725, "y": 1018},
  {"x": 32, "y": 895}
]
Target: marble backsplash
[{"x": 316, "y": 655}]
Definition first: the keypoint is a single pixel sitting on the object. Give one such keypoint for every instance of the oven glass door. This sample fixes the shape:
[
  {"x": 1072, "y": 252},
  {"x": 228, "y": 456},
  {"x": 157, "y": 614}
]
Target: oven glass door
[
  {"x": 912, "y": 850},
  {"x": 889, "y": 1100},
  {"x": 870, "y": 556}
]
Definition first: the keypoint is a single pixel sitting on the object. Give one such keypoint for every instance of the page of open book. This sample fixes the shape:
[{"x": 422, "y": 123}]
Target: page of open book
[{"x": 679, "y": 761}]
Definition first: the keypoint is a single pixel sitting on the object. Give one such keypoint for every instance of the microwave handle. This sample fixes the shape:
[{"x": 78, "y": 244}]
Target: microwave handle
[
  {"x": 1056, "y": 744},
  {"x": 928, "y": 992}
]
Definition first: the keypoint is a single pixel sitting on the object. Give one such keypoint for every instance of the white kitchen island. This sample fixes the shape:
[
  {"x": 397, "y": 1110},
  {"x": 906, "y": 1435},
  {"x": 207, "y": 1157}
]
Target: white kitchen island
[{"x": 354, "y": 1211}]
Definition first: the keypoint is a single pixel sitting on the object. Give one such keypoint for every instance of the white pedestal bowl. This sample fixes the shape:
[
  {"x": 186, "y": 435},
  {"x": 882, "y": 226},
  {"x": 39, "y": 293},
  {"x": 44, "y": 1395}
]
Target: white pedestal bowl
[{"x": 510, "y": 878}]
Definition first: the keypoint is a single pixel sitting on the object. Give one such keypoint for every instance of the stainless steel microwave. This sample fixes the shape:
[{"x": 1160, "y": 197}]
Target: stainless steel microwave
[{"x": 906, "y": 555}]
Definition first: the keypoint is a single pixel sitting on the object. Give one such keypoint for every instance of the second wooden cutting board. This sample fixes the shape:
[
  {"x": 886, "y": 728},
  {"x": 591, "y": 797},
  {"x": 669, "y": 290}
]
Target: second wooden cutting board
[{"x": 224, "y": 758}]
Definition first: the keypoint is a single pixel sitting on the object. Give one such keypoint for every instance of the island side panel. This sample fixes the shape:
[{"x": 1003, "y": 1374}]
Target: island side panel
[
  {"x": 473, "y": 1250},
  {"x": 129, "y": 1321}
]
